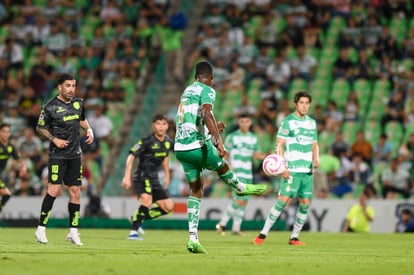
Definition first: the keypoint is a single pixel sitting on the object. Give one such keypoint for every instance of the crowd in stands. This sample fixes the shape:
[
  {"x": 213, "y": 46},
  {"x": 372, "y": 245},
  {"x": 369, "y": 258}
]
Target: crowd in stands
[
  {"x": 356, "y": 59},
  {"x": 354, "y": 56},
  {"x": 103, "y": 43}
]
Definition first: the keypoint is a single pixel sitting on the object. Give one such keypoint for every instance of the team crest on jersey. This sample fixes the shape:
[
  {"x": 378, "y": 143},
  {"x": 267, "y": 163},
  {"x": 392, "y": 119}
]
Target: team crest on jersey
[
  {"x": 76, "y": 105},
  {"x": 167, "y": 145},
  {"x": 9, "y": 149}
]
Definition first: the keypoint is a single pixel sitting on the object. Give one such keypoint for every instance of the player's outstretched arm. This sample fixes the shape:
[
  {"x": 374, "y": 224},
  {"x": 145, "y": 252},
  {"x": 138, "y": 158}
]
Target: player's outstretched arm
[{"x": 126, "y": 181}]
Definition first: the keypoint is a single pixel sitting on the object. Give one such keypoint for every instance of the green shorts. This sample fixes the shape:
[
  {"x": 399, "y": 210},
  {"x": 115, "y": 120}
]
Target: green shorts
[
  {"x": 194, "y": 161},
  {"x": 299, "y": 184}
]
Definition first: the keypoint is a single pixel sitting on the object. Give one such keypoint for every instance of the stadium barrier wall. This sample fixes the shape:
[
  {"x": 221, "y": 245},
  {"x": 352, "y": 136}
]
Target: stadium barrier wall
[{"x": 324, "y": 215}]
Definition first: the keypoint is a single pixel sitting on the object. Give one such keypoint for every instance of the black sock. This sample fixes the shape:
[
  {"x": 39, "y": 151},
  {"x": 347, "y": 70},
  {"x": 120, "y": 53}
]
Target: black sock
[
  {"x": 74, "y": 214},
  {"x": 3, "y": 201},
  {"x": 155, "y": 212},
  {"x": 139, "y": 217},
  {"x": 47, "y": 205}
]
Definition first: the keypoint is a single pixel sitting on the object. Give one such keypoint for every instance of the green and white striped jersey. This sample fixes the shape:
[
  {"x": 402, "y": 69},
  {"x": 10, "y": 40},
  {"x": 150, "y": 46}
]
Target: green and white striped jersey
[
  {"x": 299, "y": 135},
  {"x": 191, "y": 130},
  {"x": 241, "y": 147}
]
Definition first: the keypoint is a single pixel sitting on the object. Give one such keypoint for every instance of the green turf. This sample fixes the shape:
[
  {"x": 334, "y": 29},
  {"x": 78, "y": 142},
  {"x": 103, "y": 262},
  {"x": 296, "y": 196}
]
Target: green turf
[{"x": 107, "y": 251}]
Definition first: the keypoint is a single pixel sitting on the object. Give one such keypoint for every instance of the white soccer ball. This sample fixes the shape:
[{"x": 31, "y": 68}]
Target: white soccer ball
[{"x": 274, "y": 165}]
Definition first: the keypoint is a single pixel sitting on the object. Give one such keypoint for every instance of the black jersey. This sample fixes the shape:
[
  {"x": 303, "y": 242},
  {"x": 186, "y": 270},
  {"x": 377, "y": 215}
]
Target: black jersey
[
  {"x": 5, "y": 153},
  {"x": 62, "y": 120},
  {"x": 150, "y": 152}
]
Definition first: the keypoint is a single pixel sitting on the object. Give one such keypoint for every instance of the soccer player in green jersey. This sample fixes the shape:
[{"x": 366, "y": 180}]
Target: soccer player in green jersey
[
  {"x": 297, "y": 142},
  {"x": 198, "y": 146},
  {"x": 243, "y": 147}
]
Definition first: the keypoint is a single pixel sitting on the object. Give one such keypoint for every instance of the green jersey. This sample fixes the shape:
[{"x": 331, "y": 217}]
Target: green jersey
[
  {"x": 299, "y": 134},
  {"x": 241, "y": 147},
  {"x": 191, "y": 130}
]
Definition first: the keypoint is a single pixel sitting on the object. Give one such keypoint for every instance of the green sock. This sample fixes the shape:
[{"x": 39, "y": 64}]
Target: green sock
[
  {"x": 301, "y": 215},
  {"x": 231, "y": 179},
  {"x": 273, "y": 216},
  {"x": 193, "y": 212}
]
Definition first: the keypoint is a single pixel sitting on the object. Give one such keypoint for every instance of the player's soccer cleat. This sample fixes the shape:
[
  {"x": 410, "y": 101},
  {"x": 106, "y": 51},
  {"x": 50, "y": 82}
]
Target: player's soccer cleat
[
  {"x": 253, "y": 189},
  {"x": 221, "y": 229},
  {"x": 141, "y": 231},
  {"x": 296, "y": 241},
  {"x": 259, "y": 239},
  {"x": 134, "y": 237},
  {"x": 196, "y": 248},
  {"x": 74, "y": 238},
  {"x": 40, "y": 236}
]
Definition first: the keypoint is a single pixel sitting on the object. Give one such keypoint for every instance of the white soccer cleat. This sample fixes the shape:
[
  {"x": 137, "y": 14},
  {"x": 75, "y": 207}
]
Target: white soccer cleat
[
  {"x": 40, "y": 235},
  {"x": 74, "y": 238}
]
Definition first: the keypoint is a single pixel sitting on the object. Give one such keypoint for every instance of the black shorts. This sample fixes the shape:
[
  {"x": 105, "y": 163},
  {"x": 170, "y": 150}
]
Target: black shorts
[
  {"x": 66, "y": 171},
  {"x": 151, "y": 187}
]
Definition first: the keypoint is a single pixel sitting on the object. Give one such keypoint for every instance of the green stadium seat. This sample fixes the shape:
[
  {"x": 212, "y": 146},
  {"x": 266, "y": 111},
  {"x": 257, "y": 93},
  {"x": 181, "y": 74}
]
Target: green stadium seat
[
  {"x": 340, "y": 91},
  {"x": 362, "y": 88},
  {"x": 372, "y": 131},
  {"x": 349, "y": 130},
  {"x": 320, "y": 91}
]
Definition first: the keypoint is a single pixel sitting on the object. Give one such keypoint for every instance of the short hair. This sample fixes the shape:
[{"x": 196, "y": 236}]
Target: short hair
[
  {"x": 63, "y": 77},
  {"x": 2, "y": 125},
  {"x": 159, "y": 117},
  {"x": 203, "y": 69},
  {"x": 406, "y": 211},
  {"x": 245, "y": 115},
  {"x": 300, "y": 94}
]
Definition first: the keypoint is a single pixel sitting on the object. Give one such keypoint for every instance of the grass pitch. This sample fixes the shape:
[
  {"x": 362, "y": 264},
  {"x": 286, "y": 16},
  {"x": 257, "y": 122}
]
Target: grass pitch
[{"x": 107, "y": 251}]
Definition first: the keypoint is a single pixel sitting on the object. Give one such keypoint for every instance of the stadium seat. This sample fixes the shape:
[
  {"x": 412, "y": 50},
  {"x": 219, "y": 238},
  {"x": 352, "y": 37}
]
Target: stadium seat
[
  {"x": 320, "y": 91},
  {"x": 362, "y": 88},
  {"x": 340, "y": 92},
  {"x": 349, "y": 130},
  {"x": 372, "y": 131}
]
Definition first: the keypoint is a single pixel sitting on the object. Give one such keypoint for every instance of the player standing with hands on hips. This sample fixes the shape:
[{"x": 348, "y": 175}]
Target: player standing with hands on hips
[
  {"x": 297, "y": 143},
  {"x": 59, "y": 122},
  {"x": 198, "y": 146}
]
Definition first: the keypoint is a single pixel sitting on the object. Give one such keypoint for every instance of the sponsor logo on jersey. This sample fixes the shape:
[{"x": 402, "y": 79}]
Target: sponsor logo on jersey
[{"x": 71, "y": 117}]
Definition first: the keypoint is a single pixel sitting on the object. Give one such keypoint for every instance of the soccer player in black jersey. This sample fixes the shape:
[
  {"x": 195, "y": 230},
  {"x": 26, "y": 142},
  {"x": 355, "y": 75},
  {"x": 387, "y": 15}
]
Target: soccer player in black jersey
[
  {"x": 152, "y": 153},
  {"x": 7, "y": 150},
  {"x": 59, "y": 122}
]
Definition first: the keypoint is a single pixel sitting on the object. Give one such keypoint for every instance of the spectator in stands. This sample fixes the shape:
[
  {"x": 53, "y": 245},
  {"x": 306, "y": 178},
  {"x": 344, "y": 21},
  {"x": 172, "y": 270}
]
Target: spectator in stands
[
  {"x": 371, "y": 32},
  {"x": 395, "y": 181},
  {"x": 21, "y": 32},
  {"x": 405, "y": 222},
  {"x": 279, "y": 72},
  {"x": 110, "y": 66},
  {"x": 334, "y": 117},
  {"x": 303, "y": 65},
  {"x": 292, "y": 35},
  {"x": 363, "y": 68},
  {"x": 267, "y": 108},
  {"x": 382, "y": 150},
  {"x": 343, "y": 66},
  {"x": 258, "y": 67},
  {"x": 50, "y": 11},
  {"x": 387, "y": 44},
  {"x": 41, "y": 77},
  {"x": 344, "y": 185},
  {"x": 246, "y": 52},
  {"x": 57, "y": 41},
  {"x": 360, "y": 170},
  {"x": 351, "y": 108},
  {"x": 111, "y": 12},
  {"x": 339, "y": 146},
  {"x": 384, "y": 69},
  {"x": 394, "y": 110},
  {"x": 29, "y": 147},
  {"x": 24, "y": 187},
  {"x": 351, "y": 34},
  {"x": 101, "y": 125},
  {"x": 362, "y": 147},
  {"x": 13, "y": 54},
  {"x": 64, "y": 65},
  {"x": 266, "y": 32},
  {"x": 91, "y": 152}
]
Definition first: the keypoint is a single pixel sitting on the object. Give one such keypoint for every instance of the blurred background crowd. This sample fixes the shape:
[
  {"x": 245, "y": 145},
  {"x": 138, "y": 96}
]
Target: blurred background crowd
[{"x": 354, "y": 56}]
